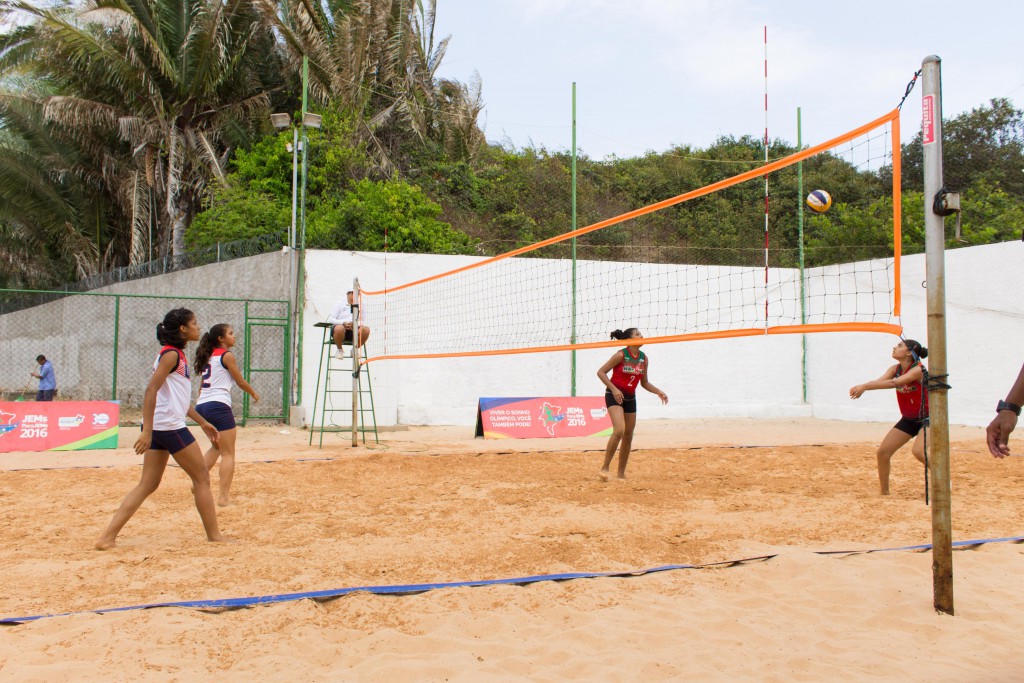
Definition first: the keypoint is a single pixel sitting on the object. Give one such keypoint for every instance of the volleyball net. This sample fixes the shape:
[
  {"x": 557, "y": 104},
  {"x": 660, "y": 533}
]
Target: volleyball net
[{"x": 756, "y": 276}]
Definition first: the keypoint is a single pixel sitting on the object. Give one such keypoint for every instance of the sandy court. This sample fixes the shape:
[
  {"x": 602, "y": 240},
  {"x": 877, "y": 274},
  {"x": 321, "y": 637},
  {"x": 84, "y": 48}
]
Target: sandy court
[{"x": 435, "y": 505}]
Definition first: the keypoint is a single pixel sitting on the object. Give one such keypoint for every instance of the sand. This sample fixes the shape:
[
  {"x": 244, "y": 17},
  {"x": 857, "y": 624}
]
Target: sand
[{"x": 433, "y": 505}]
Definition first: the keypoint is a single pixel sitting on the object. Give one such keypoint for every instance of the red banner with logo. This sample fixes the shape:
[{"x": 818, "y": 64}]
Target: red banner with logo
[
  {"x": 542, "y": 417},
  {"x": 58, "y": 425}
]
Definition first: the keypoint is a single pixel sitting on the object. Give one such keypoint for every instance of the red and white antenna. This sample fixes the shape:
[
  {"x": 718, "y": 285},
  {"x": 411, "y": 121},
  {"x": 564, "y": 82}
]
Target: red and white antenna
[{"x": 766, "y": 179}]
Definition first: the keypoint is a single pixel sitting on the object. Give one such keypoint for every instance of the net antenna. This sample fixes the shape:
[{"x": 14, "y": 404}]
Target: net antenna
[
  {"x": 767, "y": 263},
  {"x": 692, "y": 288}
]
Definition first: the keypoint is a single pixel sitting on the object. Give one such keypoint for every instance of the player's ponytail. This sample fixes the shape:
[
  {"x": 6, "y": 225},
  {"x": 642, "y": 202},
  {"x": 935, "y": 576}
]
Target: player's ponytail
[
  {"x": 919, "y": 352},
  {"x": 169, "y": 333},
  {"x": 623, "y": 334},
  {"x": 208, "y": 343}
]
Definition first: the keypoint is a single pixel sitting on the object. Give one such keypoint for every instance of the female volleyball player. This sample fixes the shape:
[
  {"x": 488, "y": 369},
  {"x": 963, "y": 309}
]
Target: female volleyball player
[
  {"x": 905, "y": 377},
  {"x": 219, "y": 373},
  {"x": 630, "y": 368},
  {"x": 164, "y": 407}
]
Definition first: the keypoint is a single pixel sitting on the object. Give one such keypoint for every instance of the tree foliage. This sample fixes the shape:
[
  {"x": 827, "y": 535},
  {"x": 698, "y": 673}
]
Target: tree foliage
[
  {"x": 392, "y": 215},
  {"x": 161, "y": 90},
  {"x": 148, "y": 101}
]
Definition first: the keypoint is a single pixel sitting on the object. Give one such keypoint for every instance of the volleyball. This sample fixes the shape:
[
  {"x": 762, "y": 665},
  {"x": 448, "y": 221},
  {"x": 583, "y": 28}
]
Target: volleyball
[{"x": 819, "y": 201}]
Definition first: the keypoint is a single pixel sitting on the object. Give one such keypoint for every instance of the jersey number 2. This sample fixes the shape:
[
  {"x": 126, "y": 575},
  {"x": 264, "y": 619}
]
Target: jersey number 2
[{"x": 207, "y": 371}]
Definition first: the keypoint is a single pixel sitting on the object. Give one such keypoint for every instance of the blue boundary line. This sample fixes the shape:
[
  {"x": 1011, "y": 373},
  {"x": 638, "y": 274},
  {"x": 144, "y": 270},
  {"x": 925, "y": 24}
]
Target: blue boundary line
[{"x": 416, "y": 588}]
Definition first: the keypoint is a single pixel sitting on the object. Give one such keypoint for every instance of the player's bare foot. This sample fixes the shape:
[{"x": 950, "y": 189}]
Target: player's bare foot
[
  {"x": 224, "y": 501},
  {"x": 220, "y": 538},
  {"x": 104, "y": 544},
  {"x": 603, "y": 474}
]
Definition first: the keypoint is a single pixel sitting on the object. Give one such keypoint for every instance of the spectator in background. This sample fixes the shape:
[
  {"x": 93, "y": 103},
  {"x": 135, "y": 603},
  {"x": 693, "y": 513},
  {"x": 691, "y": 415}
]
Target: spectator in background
[{"x": 47, "y": 381}]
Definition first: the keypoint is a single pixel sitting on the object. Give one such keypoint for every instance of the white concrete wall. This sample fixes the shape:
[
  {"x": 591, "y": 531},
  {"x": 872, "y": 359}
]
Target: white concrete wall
[
  {"x": 744, "y": 377},
  {"x": 985, "y": 339}
]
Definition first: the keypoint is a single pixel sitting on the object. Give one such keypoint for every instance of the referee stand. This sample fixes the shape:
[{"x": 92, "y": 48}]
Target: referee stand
[{"x": 346, "y": 401}]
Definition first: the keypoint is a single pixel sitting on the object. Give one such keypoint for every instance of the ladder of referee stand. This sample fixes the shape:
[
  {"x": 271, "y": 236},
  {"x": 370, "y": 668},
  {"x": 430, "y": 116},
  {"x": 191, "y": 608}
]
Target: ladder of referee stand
[{"x": 332, "y": 409}]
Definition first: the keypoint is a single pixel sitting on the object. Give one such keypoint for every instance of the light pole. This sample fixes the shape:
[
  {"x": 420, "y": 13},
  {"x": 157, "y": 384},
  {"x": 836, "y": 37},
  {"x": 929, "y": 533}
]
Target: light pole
[
  {"x": 309, "y": 120},
  {"x": 285, "y": 121},
  {"x": 296, "y": 239}
]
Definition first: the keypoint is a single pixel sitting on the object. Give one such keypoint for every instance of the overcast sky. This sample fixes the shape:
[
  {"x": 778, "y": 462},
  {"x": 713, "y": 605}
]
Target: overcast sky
[{"x": 651, "y": 74}]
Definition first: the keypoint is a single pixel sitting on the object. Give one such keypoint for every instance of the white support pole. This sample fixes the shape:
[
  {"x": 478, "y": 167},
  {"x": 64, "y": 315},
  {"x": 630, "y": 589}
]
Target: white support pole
[{"x": 935, "y": 244}]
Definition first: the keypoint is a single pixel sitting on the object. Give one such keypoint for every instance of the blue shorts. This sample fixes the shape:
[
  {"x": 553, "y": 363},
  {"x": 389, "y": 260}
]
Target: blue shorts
[
  {"x": 218, "y": 414},
  {"x": 172, "y": 441},
  {"x": 628, "y": 404}
]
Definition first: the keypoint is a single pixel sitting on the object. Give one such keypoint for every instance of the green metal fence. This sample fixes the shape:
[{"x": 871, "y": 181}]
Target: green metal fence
[{"x": 103, "y": 345}]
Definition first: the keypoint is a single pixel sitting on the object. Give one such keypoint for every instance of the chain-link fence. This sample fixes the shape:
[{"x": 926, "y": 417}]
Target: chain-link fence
[
  {"x": 218, "y": 253},
  {"x": 103, "y": 346}
]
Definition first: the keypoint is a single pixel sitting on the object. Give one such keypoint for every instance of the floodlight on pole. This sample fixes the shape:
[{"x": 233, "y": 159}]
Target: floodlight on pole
[
  {"x": 311, "y": 120},
  {"x": 281, "y": 121}
]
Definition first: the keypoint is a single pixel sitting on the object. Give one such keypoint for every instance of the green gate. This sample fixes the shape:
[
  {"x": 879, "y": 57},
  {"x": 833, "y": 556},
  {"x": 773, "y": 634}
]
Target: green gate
[{"x": 266, "y": 365}]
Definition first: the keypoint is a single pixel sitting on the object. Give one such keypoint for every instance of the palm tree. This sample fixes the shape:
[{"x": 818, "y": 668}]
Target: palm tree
[
  {"x": 49, "y": 212},
  {"x": 156, "y": 89},
  {"x": 379, "y": 58}
]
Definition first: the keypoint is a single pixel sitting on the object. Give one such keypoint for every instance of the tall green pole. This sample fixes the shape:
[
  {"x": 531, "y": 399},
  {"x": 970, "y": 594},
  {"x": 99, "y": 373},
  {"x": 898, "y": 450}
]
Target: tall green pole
[
  {"x": 247, "y": 360},
  {"x": 301, "y": 275},
  {"x": 572, "y": 338},
  {"x": 117, "y": 343},
  {"x": 800, "y": 251}
]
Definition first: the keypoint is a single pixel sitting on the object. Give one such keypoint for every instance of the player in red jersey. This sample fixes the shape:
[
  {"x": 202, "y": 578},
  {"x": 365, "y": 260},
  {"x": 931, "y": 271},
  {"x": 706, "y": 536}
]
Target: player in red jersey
[
  {"x": 630, "y": 368},
  {"x": 906, "y": 378}
]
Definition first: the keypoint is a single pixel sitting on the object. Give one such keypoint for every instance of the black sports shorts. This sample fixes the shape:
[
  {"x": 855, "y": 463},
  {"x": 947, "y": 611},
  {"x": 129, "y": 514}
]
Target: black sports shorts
[
  {"x": 628, "y": 404},
  {"x": 909, "y": 425},
  {"x": 348, "y": 335}
]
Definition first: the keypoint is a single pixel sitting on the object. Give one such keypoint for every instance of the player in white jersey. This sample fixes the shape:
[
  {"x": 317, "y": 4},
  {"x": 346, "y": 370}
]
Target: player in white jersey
[
  {"x": 164, "y": 434},
  {"x": 220, "y": 374}
]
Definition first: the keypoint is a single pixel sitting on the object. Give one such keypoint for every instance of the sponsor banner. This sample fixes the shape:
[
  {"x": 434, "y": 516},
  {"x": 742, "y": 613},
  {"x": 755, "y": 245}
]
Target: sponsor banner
[
  {"x": 58, "y": 425},
  {"x": 542, "y": 417}
]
